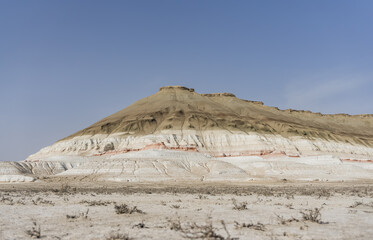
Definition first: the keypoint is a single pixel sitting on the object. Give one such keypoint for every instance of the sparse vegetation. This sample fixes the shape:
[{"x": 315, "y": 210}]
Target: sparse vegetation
[
  {"x": 125, "y": 209},
  {"x": 284, "y": 221},
  {"x": 140, "y": 225},
  {"x": 358, "y": 203},
  {"x": 324, "y": 193},
  {"x": 289, "y": 196},
  {"x": 239, "y": 205},
  {"x": 312, "y": 215},
  {"x": 201, "y": 196},
  {"x": 7, "y": 200},
  {"x": 200, "y": 231},
  {"x": 290, "y": 206},
  {"x": 65, "y": 188},
  {"x": 81, "y": 215},
  {"x": 35, "y": 231},
  {"x": 118, "y": 236},
  {"x": 175, "y": 224},
  {"x": 96, "y": 203},
  {"x": 258, "y": 226},
  {"x": 40, "y": 200},
  {"x": 294, "y": 217}
]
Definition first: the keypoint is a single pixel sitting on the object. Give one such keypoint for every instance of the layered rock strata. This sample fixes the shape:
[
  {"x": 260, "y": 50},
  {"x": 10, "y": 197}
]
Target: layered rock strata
[
  {"x": 216, "y": 131},
  {"x": 221, "y": 125}
]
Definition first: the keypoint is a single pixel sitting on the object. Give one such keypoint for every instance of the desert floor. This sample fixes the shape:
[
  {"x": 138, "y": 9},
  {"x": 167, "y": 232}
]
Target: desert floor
[{"x": 285, "y": 210}]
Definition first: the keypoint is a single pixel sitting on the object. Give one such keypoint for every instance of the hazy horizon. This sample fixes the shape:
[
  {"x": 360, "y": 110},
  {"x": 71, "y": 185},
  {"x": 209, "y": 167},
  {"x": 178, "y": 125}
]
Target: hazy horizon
[{"x": 66, "y": 64}]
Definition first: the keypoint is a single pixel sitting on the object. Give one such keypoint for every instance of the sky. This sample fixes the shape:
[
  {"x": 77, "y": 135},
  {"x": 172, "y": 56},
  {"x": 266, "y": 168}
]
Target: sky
[{"x": 67, "y": 64}]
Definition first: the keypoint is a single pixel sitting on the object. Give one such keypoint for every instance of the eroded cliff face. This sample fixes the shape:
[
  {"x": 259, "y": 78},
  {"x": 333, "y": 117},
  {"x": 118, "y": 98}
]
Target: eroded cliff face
[
  {"x": 221, "y": 125},
  {"x": 213, "y": 142},
  {"x": 30, "y": 171}
]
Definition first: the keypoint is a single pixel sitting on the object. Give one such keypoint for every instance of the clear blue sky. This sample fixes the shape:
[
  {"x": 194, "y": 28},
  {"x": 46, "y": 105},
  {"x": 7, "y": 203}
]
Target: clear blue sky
[{"x": 66, "y": 64}]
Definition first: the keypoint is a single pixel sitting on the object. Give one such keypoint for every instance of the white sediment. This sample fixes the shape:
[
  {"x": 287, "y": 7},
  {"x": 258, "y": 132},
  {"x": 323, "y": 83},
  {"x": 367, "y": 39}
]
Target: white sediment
[
  {"x": 220, "y": 156},
  {"x": 215, "y": 143}
]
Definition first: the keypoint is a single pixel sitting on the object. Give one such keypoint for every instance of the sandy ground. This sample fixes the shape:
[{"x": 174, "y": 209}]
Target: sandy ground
[{"x": 256, "y": 211}]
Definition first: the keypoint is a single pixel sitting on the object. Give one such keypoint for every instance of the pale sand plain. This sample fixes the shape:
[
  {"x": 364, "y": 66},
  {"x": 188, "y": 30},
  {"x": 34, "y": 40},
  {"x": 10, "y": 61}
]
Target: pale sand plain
[{"x": 63, "y": 209}]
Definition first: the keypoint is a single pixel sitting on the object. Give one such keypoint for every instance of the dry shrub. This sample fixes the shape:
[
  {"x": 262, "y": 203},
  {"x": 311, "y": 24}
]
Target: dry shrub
[
  {"x": 312, "y": 215},
  {"x": 65, "y": 188},
  {"x": 239, "y": 205},
  {"x": 125, "y": 209},
  {"x": 140, "y": 225},
  {"x": 290, "y": 206},
  {"x": 96, "y": 203},
  {"x": 7, "y": 200},
  {"x": 81, "y": 215},
  {"x": 258, "y": 226},
  {"x": 200, "y": 196},
  {"x": 35, "y": 231},
  {"x": 200, "y": 231},
  {"x": 284, "y": 221},
  {"x": 356, "y": 204},
  {"x": 324, "y": 193},
  {"x": 40, "y": 200},
  {"x": 118, "y": 236},
  {"x": 175, "y": 224}
]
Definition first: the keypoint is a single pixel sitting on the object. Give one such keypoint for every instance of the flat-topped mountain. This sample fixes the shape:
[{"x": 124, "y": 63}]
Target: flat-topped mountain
[
  {"x": 180, "y": 135},
  {"x": 219, "y": 124}
]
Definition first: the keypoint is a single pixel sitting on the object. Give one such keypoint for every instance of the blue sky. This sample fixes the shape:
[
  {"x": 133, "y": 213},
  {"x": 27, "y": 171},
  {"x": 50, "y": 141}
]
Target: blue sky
[{"x": 66, "y": 64}]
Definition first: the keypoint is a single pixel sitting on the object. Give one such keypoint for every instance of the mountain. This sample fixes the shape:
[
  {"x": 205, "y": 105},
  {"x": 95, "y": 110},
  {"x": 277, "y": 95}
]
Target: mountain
[
  {"x": 180, "y": 135},
  {"x": 219, "y": 124}
]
